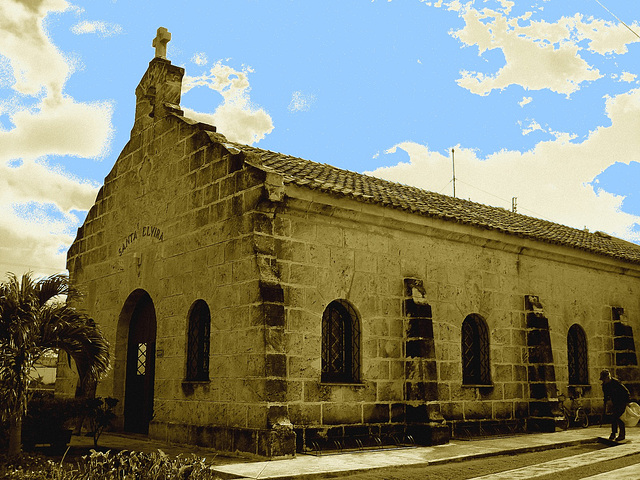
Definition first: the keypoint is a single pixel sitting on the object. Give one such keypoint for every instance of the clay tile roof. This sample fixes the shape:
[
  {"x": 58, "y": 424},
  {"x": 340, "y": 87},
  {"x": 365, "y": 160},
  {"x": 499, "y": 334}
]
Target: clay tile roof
[{"x": 369, "y": 189}]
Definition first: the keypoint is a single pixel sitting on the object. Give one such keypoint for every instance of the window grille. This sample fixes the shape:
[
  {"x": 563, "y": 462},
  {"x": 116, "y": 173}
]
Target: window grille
[
  {"x": 476, "y": 369},
  {"x": 198, "y": 342},
  {"x": 340, "y": 343},
  {"x": 577, "y": 356},
  {"x": 141, "y": 365}
]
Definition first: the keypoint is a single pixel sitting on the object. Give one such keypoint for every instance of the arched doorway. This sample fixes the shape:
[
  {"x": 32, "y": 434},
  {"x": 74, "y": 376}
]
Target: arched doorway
[{"x": 140, "y": 368}]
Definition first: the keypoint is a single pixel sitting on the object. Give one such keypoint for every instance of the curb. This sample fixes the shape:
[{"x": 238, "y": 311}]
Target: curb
[{"x": 441, "y": 461}]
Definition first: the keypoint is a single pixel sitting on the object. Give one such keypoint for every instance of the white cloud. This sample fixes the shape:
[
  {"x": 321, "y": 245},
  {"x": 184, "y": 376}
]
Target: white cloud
[
  {"x": 46, "y": 131},
  {"x": 300, "y": 102},
  {"x": 104, "y": 29},
  {"x": 604, "y": 36},
  {"x": 31, "y": 238},
  {"x": 525, "y": 101},
  {"x": 532, "y": 127},
  {"x": 36, "y": 200},
  {"x": 199, "y": 58},
  {"x": 537, "y": 56},
  {"x": 36, "y": 63},
  {"x": 628, "y": 77},
  {"x": 237, "y": 117},
  {"x": 553, "y": 180}
]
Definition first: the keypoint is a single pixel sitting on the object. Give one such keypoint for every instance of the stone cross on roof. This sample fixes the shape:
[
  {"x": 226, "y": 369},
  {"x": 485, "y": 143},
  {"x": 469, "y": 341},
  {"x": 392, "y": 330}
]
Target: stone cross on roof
[{"x": 160, "y": 42}]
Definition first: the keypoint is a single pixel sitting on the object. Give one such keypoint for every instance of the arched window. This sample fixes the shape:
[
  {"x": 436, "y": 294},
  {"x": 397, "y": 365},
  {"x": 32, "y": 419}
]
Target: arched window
[
  {"x": 476, "y": 369},
  {"x": 340, "y": 343},
  {"x": 198, "y": 342},
  {"x": 577, "y": 356}
]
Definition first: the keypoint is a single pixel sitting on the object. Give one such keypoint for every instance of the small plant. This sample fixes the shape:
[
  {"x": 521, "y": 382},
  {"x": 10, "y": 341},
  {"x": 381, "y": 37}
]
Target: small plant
[
  {"x": 100, "y": 413},
  {"x": 109, "y": 466}
]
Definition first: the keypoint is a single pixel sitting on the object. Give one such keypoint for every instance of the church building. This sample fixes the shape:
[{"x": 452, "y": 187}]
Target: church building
[{"x": 264, "y": 303}]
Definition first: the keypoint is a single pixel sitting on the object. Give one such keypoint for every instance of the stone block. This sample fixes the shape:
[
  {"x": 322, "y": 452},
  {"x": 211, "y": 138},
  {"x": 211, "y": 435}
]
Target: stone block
[
  {"x": 623, "y": 343},
  {"x": 359, "y": 392},
  {"x": 271, "y": 292},
  {"x": 306, "y": 366},
  {"x": 375, "y": 413},
  {"x": 622, "y": 330},
  {"x": 305, "y": 413},
  {"x": 538, "y": 390},
  {"x": 503, "y": 373},
  {"x": 276, "y": 365},
  {"x": 279, "y": 441},
  {"x": 420, "y": 328},
  {"x": 478, "y": 410},
  {"x": 398, "y": 412},
  {"x": 262, "y": 223},
  {"x": 275, "y": 390},
  {"x": 520, "y": 373},
  {"x": 277, "y": 415},
  {"x": 432, "y": 434},
  {"x": 318, "y": 254},
  {"x": 294, "y": 391},
  {"x": 274, "y": 340},
  {"x": 376, "y": 370},
  {"x": 513, "y": 390},
  {"x": 450, "y": 371},
  {"x": 390, "y": 348},
  {"x": 177, "y": 432},
  {"x": 257, "y": 415},
  {"x": 452, "y": 410},
  {"x": 626, "y": 358},
  {"x": 541, "y": 353},
  {"x": 421, "y": 391},
  {"x": 316, "y": 392},
  {"x": 245, "y": 440},
  {"x": 502, "y": 410},
  {"x": 390, "y": 391},
  {"x": 416, "y": 413},
  {"x": 340, "y": 414},
  {"x": 417, "y": 310},
  {"x": 420, "y": 348},
  {"x": 273, "y": 314}
]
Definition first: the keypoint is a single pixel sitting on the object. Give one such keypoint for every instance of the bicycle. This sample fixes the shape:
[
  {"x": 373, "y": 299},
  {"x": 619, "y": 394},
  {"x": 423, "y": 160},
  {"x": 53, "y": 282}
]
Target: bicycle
[{"x": 579, "y": 417}]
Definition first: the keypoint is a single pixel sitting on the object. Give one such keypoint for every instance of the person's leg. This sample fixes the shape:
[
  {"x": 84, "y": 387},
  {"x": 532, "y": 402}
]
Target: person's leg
[
  {"x": 621, "y": 435},
  {"x": 614, "y": 424},
  {"x": 618, "y": 410}
]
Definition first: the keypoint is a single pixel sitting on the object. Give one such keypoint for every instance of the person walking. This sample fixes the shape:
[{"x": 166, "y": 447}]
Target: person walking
[{"x": 618, "y": 394}]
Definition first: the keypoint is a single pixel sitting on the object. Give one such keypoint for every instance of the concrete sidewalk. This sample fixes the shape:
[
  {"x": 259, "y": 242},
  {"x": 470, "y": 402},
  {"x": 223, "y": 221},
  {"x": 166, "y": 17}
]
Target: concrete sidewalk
[{"x": 308, "y": 466}]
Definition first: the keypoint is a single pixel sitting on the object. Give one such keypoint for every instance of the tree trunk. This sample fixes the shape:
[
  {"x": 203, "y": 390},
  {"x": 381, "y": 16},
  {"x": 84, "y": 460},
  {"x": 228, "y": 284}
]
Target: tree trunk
[{"x": 15, "y": 434}]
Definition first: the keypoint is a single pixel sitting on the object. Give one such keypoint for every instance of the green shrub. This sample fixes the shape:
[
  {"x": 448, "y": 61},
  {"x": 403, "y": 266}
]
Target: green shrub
[
  {"x": 48, "y": 417},
  {"x": 109, "y": 466},
  {"x": 100, "y": 413}
]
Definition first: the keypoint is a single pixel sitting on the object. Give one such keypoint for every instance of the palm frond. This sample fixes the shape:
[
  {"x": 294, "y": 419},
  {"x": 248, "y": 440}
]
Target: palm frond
[
  {"x": 50, "y": 287},
  {"x": 31, "y": 324}
]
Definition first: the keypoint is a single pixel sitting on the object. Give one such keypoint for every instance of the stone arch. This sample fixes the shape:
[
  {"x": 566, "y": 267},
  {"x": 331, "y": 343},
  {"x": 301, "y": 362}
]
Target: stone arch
[
  {"x": 476, "y": 366},
  {"x": 341, "y": 338},
  {"x": 577, "y": 356},
  {"x": 134, "y": 365}
]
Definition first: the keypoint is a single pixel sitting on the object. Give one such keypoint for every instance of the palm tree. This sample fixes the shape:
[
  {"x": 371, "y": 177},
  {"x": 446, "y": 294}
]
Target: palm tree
[{"x": 33, "y": 320}]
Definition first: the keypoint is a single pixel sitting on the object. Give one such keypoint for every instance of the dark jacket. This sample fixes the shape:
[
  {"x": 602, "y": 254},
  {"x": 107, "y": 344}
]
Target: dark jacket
[{"x": 616, "y": 392}]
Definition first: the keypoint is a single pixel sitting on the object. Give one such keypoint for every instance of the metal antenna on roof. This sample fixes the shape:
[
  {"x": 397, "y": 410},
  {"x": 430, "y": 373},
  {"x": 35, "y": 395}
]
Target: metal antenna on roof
[{"x": 453, "y": 162}]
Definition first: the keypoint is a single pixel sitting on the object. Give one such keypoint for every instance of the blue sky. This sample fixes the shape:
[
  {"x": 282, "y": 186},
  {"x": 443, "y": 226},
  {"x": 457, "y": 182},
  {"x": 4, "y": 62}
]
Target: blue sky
[{"x": 539, "y": 99}]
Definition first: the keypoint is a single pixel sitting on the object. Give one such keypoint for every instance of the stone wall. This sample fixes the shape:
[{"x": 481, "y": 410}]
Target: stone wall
[
  {"x": 175, "y": 219},
  {"x": 334, "y": 249}
]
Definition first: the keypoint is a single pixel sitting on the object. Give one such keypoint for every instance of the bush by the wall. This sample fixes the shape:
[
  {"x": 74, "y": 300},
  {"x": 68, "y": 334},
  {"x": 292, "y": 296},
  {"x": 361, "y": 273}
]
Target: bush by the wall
[{"x": 110, "y": 466}]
